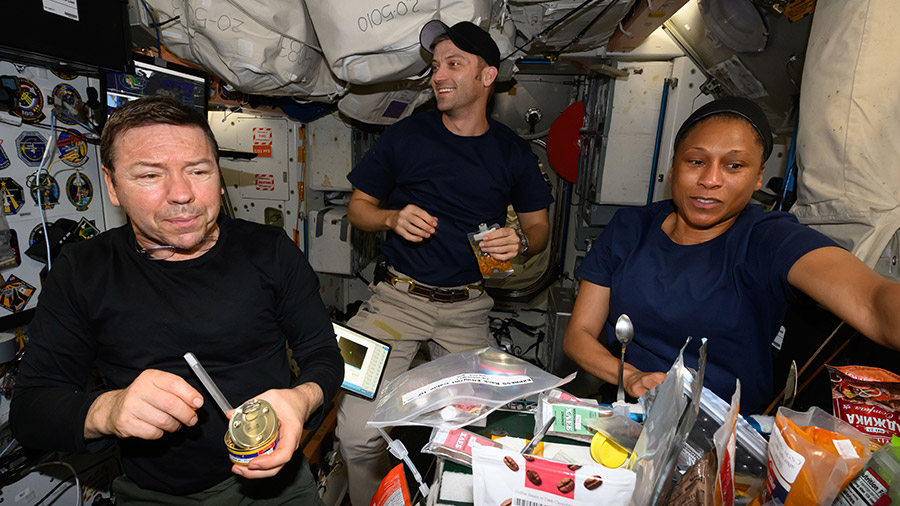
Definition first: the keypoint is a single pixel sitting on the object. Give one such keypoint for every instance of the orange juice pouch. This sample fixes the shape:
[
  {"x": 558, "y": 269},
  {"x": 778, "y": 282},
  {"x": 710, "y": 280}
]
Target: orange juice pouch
[
  {"x": 812, "y": 457},
  {"x": 489, "y": 266}
]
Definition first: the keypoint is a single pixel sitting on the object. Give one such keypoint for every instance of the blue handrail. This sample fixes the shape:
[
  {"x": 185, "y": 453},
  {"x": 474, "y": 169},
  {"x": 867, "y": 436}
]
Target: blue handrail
[{"x": 659, "y": 129}]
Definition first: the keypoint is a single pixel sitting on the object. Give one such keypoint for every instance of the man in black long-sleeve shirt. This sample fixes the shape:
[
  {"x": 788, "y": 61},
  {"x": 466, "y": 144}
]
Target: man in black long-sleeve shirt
[{"x": 179, "y": 277}]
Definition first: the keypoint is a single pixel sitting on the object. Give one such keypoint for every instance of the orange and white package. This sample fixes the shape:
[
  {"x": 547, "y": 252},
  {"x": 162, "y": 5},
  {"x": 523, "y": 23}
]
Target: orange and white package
[
  {"x": 489, "y": 266},
  {"x": 393, "y": 490},
  {"x": 868, "y": 398},
  {"x": 812, "y": 457}
]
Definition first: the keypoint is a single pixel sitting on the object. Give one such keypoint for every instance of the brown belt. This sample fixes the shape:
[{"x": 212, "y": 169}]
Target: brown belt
[{"x": 434, "y": 294}]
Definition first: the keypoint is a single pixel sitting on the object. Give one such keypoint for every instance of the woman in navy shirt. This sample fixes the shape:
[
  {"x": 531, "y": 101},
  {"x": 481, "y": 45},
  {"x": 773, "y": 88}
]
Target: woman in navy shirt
[{"x": 709, "y": 264}]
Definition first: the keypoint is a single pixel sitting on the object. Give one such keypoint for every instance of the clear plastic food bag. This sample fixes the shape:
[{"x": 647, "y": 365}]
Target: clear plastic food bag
[
  {"x": 433, "y": 393},
  {"x": 812, "y": 457},
  {"x": 489, "y": 266}
]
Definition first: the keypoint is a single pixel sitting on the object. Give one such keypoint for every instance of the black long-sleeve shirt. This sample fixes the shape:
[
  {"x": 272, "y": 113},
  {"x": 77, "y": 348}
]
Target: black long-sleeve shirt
[{"x": 108, "y": 305}]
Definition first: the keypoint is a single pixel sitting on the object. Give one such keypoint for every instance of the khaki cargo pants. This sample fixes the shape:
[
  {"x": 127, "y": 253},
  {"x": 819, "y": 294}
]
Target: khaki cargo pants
[{"x": 405, "y": 321}]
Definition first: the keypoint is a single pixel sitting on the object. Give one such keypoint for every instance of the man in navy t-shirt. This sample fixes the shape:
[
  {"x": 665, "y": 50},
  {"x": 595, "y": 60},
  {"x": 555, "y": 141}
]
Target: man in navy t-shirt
[{"x": 430, "y": 180}]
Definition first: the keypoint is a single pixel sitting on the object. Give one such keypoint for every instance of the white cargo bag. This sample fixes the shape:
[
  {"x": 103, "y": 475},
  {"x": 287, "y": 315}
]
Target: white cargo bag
[
  {"x": 375, "y": 41},
  {"x": 848, "y": 185},
  {"x": 257, "y": 46},
  {"x": 385, "y": 103},
  {"x": 335, "y": 246},
  {"x": 532, "y": 18}
]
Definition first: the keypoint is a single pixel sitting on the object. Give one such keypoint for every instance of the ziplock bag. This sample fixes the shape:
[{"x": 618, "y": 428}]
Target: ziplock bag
[
  {"x": 489, "y": 266},
  {"x": 812, "y": 456},
  {"x": 442, "y": 393}
]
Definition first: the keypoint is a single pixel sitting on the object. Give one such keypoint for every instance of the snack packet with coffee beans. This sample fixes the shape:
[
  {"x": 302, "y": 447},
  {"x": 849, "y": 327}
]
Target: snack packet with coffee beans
[{"x": 506, "y": 478}]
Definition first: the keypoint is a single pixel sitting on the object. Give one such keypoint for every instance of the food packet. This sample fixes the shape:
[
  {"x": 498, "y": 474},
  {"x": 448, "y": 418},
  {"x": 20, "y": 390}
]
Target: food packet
[
  {"x": 751, "y": 449},
  {"x": 572, "y": 415},
  {"x": 697, "y": 485},
  {"x": 504, "y": 478},
  {"x": 393, "y": 490},
  {"x": 455, "y": 444},
  {"x": 867, "y": 398},
  {"x": 670, "y": 417},
  {"x": 812, "y": 456},
  {"x": 725, "y": 440},
  {"x": 489, "y": 266},
  {"x": 459, "y": 389}
]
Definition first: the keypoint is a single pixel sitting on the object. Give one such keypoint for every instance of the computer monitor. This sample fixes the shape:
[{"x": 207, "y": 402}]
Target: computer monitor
[
  {"x": 365, "y": 359},
  {"x": 155, "y": 76}
]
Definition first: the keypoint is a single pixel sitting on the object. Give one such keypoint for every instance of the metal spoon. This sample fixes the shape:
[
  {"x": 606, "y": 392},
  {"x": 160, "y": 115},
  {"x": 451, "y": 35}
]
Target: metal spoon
[{"x": 624, "y": 333}]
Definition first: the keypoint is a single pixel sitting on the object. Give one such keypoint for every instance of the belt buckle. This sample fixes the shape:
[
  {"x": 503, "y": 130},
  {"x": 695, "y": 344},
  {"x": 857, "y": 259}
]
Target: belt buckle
[
  {"x": 440, "y": 291},
  {"x": 480, "y": 289},
  {"x": 409, "y": 281}
]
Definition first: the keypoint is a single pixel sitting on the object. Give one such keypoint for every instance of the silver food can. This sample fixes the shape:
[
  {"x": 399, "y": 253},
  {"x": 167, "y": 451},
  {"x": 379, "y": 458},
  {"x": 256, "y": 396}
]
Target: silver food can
[{"x": 252, "y": 431}]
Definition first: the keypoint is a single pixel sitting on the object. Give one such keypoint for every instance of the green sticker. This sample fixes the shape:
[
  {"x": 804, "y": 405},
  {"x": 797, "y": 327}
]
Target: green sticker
[{"x": 573, "y": 420}]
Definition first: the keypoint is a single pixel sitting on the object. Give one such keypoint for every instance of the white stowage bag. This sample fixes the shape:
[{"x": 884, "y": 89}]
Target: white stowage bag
[
  {"x": 258, "y": 46},
  {"x": 848, "y": 185},
  {"x": 385, "y": 103},
  {"x": 375, "y": 41},
  {"x": 598, "y": 20}
]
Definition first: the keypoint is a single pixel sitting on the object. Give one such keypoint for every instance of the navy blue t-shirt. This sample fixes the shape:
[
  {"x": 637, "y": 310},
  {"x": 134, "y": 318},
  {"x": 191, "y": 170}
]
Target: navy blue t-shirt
[
  {"x": 461, "y": 181},
  {"x": 733, "y": 290}
]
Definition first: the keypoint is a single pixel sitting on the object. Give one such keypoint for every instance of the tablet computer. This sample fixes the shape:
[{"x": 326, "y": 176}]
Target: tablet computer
[{"x": 365, "y": 359}]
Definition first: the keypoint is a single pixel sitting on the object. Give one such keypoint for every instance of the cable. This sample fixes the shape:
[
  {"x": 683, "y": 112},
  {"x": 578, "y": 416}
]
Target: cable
[
  {"x": 36, "y": 183},
  {"x": 551, "y": 27},
  {"x": 156, "y": 25},
  {"x": 164, "y": 23},
  {"x": 71, "y": 469},
  {"x": 587, "y": 27},
  {"x": 8, "y": 447}
]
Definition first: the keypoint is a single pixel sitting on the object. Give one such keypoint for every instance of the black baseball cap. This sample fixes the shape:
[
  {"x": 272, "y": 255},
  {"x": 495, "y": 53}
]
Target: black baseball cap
[
  {"x": 467, "y": 36},
  {"x": 739, "y": 106}
]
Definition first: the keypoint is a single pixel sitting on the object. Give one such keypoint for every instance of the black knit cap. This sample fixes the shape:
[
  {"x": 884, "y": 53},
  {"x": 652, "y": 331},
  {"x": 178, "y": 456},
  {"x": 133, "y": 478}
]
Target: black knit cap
[
  {"x": 740, "y": 106},
  {"x": 467, "y": 36}
]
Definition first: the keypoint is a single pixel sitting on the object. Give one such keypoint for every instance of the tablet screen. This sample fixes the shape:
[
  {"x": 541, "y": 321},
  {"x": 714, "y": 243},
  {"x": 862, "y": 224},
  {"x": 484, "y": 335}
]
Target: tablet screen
[{"x": 365, "y": 359}]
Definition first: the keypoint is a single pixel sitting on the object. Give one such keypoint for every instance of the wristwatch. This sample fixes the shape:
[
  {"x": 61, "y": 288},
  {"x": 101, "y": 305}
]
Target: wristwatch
[{"x": 523, "y": 240}]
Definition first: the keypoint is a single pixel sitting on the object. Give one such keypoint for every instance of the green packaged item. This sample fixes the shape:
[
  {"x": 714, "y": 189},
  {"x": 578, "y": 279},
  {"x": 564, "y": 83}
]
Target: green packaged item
[{"x": 573, "y": 415}]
